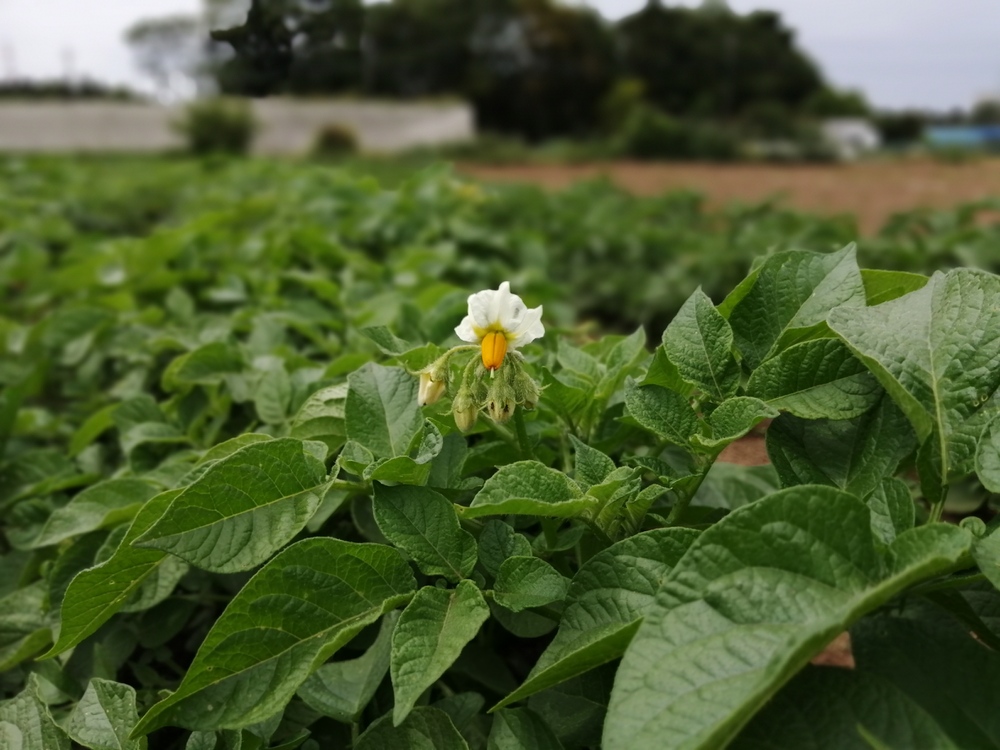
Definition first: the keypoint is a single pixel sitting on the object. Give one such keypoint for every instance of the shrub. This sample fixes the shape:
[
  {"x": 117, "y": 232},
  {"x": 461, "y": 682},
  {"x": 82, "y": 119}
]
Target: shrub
[
  {"x": 218, "y": 126},
  {"x": 627, "y": 95},
  {"x": 650, "y": 134},
  {"x": 334, "y": 140}
]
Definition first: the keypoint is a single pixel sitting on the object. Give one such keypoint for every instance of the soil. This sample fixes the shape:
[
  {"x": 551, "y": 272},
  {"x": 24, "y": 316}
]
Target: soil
[{"x": 872, "y": 191}]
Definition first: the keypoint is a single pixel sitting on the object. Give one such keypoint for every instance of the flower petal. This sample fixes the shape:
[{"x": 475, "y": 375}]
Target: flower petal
[
  {"x": 529, "y": 329},
  {"x": 466, "y": 330},
  {"x": 481, "y": 308},
  {"x": 500, "y": 304},
  {"x": 512, "y": 312}
]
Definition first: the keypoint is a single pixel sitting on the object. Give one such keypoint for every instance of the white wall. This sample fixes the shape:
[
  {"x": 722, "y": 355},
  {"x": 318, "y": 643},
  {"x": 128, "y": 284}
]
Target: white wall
[{"x": 286, "y": 126}]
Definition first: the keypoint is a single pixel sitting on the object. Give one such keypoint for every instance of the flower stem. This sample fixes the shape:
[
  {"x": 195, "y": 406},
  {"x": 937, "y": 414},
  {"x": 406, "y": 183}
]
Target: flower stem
[{"x": 522, "y": 434}]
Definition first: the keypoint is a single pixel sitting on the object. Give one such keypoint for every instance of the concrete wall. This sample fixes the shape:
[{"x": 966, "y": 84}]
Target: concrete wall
[{"x": 286, "y": 126}]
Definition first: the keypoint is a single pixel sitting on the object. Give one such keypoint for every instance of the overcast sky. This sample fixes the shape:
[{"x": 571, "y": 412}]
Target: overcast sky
[{"x": 923, "y": 53}]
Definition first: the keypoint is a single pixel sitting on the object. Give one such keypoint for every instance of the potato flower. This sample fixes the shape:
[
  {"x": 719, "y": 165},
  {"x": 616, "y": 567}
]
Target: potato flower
[{"x": 498, "y": 321}]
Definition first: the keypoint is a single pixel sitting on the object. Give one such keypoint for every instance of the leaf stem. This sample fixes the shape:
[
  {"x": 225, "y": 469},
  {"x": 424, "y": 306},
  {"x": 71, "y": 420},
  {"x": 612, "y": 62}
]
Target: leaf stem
[
  {"x": 683, "y": 501},
  {"x": 550, "y": 527},
  {"x": 937, "y": 510},
  {"x": 948, "y": 583}
]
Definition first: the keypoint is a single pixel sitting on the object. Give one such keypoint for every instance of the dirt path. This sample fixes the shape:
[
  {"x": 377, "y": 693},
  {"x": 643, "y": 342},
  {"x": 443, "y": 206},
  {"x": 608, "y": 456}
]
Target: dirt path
[{"x": 873, "y": 191}]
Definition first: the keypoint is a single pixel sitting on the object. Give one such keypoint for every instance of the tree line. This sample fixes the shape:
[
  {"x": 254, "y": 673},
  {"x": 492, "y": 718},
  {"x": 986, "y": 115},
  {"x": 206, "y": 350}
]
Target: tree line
[{"x": 535, "y": 68}]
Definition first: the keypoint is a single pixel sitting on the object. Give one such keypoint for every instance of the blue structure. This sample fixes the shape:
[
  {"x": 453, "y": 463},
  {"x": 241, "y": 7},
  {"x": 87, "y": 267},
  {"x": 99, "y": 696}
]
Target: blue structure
[{"x": 973, "y": 137}]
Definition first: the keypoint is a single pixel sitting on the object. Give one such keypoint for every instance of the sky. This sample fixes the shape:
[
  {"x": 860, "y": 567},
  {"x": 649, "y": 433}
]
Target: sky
[{"x": 935, "y": 54}]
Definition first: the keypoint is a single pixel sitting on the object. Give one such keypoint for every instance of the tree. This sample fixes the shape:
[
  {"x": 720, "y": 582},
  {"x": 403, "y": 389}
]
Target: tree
[
  {"x": 168, "y": 50},
  {"x": 300, "y": 46},
  {"x": 831, "y": 102},
  {"x": 711, "y": 62},
  {"x": 542, "y": 71}
]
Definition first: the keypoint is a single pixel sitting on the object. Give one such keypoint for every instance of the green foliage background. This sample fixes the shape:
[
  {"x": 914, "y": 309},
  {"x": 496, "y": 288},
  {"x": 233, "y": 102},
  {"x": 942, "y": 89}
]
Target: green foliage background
[{"x": 227, "y": 522}]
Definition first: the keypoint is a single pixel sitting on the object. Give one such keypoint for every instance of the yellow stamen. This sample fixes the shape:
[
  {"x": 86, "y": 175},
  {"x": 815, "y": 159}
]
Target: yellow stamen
[{"x": 494, "y": 348}]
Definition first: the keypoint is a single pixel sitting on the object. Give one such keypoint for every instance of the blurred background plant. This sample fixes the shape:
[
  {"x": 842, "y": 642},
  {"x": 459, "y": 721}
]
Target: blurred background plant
[
  {"x": 335, "y": 141},
  {"x": 217, "y": 126}
]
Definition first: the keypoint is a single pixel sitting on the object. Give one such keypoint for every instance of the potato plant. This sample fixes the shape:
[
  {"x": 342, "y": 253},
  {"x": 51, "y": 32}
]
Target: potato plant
[{"x": 245, "y": 505}]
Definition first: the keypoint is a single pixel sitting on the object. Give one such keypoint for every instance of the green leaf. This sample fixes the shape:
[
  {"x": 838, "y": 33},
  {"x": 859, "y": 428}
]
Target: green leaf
[
  {"x": 301, "y": 607},
  {"x": 933, "y": 659},
  {"x": 97, "y": 593},
  {"x": 406, "y": 470},
  {"x": 425, "y": 728},
  {"x": 620, "y": 361},
  {"x": 891, "y": 508},
  {"x": 99, "y": 506},
  {"x": 321, "y": 417},
  {"x": 25, "y": 722},
  {"x": 24, "y": 627},
  {"x": 816, "y": 380},
  {"x": 986, "y": 552},
  {"x": 104, "y": 717},
  {"x": 664, "y": 373},
  {"x": 387, "y": 342},
  {"x": 529, "y": 488},
  {"x": 206, "y": 365},
  {"x": 853, "y": 454},
  {"x": 699, "y": 342},
  {"x": 665, "y": 413},
  {"x": 342, "y": 689},
  {"x": 447, "y": 467},
  {"x": 754, "y": 598},
  {"x": 381, "y": 409},
  {"x": 218, "y": 452},
  {"x": 882, "y": 286},
  {"x": 605, "y": 604},
  {"x": 794, "y": 292},
  {"x": 497, "y": 542},
  {"x": 575, "y": 709},
  {"x": 591, "y": 466},
  {"x": 731, "y": 486},
  {"x": 521, "y": 729},
  {"x": 96, "y": 425},
  {"x": 935, "y": 352},
  {"x": 733, "y": 419},
  {"x": 424, "y": 524},
  {"x": 464, "y": 711},
  {"x": 569, "y": 402},
  {"x": 988, "y": 457},
  {"x": 431, "y": 633},
  {"x": 244, "y": 509},
  {"x": 272, "y": 395},
  {"x": 830, "y": 709},
  {"x": 525, "y": 582}
]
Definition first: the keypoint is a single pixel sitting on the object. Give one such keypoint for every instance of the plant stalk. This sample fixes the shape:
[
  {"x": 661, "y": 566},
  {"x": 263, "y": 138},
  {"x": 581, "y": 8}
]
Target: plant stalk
[{"x": 522, "y": 434}]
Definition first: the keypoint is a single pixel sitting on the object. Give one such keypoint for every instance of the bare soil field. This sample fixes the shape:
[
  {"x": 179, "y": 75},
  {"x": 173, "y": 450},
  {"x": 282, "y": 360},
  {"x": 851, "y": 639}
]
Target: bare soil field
[{"x": 872, "y": 191}]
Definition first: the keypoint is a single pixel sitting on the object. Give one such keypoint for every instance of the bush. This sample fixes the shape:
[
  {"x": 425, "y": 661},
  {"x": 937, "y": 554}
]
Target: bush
[
  {"x": 335, "y": 140},
  {"x": 627, "y": 95},
  {"x": 651, "y": 134},
  {"x": 218, "y": 126},
  {"x": 900, "y": 128}
]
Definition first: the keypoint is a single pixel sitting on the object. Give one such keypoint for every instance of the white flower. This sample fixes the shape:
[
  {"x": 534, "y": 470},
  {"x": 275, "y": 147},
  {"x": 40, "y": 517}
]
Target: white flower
[{"x": 499, "y": 320}]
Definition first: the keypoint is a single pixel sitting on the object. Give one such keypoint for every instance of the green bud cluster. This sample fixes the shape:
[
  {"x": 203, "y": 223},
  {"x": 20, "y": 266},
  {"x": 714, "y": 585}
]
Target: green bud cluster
[{"x": 498, "y": 392}]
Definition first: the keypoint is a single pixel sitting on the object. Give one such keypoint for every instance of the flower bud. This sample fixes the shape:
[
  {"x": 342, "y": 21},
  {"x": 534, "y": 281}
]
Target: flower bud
[
  {"x": 526, "y": 390},
  {"x": 465, "y": 409},
  {"x": 429, "y": 390},
  {"x": 433, "y": 380},
  {"x": 501, "y": 399}
]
